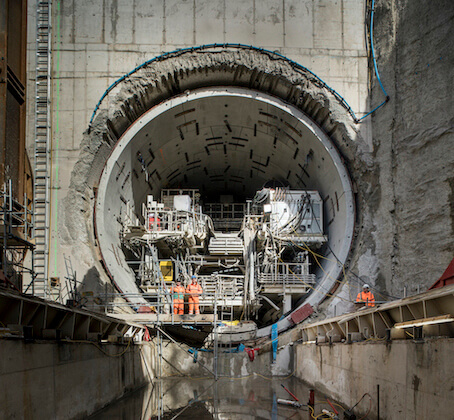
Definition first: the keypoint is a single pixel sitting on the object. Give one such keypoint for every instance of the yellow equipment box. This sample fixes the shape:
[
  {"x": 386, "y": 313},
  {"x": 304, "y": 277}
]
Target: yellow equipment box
[{"x": 166, "y": 270}]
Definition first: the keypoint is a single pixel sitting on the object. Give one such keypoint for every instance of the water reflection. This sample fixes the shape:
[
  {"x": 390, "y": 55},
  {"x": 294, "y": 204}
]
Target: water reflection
[{"x": 201, "y": 398}]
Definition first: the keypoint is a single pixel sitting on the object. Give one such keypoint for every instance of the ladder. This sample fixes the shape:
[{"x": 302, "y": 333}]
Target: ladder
[
  {"x": 226, "y": 314},
  {"x": 41, "y": 187}
]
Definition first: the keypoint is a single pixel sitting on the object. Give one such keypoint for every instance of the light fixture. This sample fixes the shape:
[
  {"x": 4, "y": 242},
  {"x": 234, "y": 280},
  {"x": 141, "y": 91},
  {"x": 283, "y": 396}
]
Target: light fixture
[{"x": 425, "y": 321}]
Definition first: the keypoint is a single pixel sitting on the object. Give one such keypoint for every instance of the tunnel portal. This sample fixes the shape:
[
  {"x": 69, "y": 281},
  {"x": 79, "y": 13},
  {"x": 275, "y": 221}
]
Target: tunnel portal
[{"x": 220, "y": 146}]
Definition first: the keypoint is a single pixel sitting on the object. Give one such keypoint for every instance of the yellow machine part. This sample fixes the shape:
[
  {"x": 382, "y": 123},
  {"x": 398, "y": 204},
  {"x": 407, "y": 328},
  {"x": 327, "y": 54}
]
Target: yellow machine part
[
  {"x": 231, "y": 323},
  {"x": 166, "y": 270}
]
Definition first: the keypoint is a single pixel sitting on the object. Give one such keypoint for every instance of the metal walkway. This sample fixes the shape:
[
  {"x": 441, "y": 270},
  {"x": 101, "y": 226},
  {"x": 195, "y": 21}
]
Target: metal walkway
[
  {"x": 427, "y": 314},
  {"x": 150, "y": 319},
  {"x": 35, "y": 318}
]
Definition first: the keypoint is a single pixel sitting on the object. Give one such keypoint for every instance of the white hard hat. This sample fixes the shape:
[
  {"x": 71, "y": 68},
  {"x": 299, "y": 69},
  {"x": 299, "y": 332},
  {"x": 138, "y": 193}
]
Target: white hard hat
[{"x": 366, "y": 286}]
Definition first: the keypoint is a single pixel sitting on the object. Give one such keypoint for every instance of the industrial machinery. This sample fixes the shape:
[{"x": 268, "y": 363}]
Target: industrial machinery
[{"x": 252, "y": 258}]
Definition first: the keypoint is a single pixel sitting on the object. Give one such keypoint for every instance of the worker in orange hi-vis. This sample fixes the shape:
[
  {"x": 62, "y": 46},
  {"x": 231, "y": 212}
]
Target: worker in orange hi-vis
[
  {"x": 178, "y": 298},
  {"x": 194, "y": 290},
  {"x": 366, "y": 296}
]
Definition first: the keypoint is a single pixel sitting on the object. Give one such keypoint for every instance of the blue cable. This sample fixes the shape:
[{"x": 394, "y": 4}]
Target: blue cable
[
  {"x": 342, "y": 101},
  {"x": 207, "y": 46},
  {"x": 375, "y": 63},
  {"x": 372, "y": 46}
]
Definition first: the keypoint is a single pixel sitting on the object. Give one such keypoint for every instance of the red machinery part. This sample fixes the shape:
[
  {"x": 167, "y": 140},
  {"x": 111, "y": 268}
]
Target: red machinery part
[
  {"x": 302, "y": 313},
  {"x": 311, "y": 398}
]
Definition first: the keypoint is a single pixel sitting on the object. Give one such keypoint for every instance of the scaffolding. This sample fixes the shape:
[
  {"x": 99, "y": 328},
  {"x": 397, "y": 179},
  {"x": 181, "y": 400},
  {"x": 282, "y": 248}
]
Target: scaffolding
[{"x": 16, "y": 222}]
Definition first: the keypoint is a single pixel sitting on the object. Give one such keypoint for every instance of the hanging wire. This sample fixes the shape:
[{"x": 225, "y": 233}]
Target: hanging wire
[{"x": 377, "y": 74}]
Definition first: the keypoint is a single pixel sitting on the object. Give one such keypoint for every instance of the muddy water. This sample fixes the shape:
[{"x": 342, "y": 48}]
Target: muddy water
[{"x": 201, "y": 398}]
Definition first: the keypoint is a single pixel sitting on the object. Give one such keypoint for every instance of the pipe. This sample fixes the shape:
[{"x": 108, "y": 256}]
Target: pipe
[
  {"x": 296, "y": 399},
  {"x": 289, "y": 402},
  {"x": 252, "y": 275},
  {"x": 378, "y": 402},
  {"x": 270, "y": 302},
  {"x": 332, "y": 406},
  {"x": 311, "y": 398}
]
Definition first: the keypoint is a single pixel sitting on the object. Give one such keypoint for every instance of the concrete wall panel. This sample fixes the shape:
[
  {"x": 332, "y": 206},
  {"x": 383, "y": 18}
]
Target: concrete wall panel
[
  {"x": 65, "y": 19},
  {"x": 119, "y": 19},
  {"x": 415, "y": 379},
  {"x": 149, "y": 22},
  {"x": 97, "y": 61},
  {"x": 66, "y": 380},
  {"x": 88, "y": 22},
  {"x": 299, "y": 24},
  {"x": 240, "y": 26},
  {"x": 209, "y": 21},
  {"x": 80, "y": 60},
  {"x": 179, "y": 26},
  {"x": 328, "y": 24},
  {"x": 353, "y": 26},
  {"x": 269, "y": 24}
]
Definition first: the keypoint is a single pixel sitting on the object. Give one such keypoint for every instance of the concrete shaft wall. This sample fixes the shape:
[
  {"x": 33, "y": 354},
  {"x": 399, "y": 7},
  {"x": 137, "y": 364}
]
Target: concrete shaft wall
[
  {"x": 66, "y": 380},
  {"x": 416, "y": 379}
]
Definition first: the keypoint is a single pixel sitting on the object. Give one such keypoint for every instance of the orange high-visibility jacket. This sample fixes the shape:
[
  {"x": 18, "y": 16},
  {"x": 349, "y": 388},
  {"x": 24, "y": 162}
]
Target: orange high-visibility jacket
[
  {"x": 194, "y": 290},
  {"x": 178, "y": 292},
  {"x": 366, "y": 297}
]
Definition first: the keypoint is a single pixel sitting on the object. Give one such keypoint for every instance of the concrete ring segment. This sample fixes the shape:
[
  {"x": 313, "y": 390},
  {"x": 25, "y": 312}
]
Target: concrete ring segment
[{"x": 173, "y": 138}]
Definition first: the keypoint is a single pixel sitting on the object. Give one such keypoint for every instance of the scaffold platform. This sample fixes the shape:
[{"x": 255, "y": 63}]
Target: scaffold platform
[{"x": 150, "y": 319}]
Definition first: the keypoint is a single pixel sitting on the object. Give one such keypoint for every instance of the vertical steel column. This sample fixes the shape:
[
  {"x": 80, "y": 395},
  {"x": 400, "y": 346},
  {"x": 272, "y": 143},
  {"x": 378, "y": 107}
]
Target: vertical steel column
[{"x": 215, "y": 350}]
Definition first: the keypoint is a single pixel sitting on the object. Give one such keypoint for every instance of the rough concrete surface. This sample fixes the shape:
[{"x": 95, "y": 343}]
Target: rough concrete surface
[
  {"x": 405, "y": 192},
  {"x": 412, "y": 197}
]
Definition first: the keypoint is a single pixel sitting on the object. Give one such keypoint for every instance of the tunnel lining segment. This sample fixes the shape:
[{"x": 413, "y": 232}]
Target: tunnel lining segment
[{"x": 107, "y": 242}]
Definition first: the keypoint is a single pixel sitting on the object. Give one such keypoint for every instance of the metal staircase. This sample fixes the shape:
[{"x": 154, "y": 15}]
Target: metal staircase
[
  {"x": 226, "y": 244},
  {"x": 41, "y": 188}
]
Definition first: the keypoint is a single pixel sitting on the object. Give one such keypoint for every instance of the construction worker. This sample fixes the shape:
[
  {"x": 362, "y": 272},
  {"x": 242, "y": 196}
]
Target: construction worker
[
  {"x": 366, "y": 296},
  {"x": 194, "y": 290},
  {"x": 178, "y": 298}
]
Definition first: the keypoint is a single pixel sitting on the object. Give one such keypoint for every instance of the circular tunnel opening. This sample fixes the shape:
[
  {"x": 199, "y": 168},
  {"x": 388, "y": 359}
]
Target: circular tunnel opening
[{"x": 221, "y": 146}]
